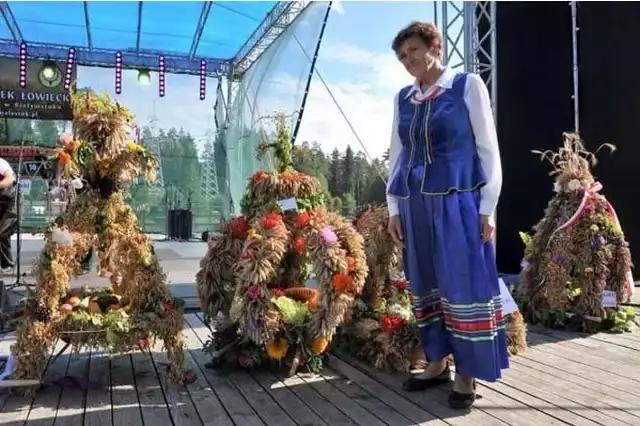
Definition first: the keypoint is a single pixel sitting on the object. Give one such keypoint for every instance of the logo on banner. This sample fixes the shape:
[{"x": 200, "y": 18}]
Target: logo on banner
[{"x": 41, "y": 99}]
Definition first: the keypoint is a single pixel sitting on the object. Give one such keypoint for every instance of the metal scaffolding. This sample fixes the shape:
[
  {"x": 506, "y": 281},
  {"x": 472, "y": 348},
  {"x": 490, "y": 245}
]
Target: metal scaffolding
[
  {"x": 209, "y": 170},
  {"x": 281, "y": 16},
  {"x": 464, "y": 48}
]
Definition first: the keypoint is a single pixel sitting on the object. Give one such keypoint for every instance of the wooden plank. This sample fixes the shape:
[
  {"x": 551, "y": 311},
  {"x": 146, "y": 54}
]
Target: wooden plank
[
  {"x": 411, "y": 411},
  {"x": 209, "y": 407},
  {"x": 72, "y": 400},
  {"x": 294, "y": 406},
  {"x": 125, "y": 405},
  {"x": 98, "y": 402},
  {"x": 179, "y": 403},
  {"x": 45, "y": 405},
  {"x": 433, "y": 401},
  {"x": 233, "y": 402},
  {"x": 153, "y": 404},
  {"x": 323, "y": 408},
  {"x": 368, "y": 401}
]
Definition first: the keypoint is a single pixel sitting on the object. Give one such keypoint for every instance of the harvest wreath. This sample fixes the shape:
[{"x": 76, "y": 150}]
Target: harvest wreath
[
  {"x": 251, "y": 283},
  {"x": 102, "y": 160},
  {"x": 383, "y": 331},
  {"x": 576, "y": 271}
]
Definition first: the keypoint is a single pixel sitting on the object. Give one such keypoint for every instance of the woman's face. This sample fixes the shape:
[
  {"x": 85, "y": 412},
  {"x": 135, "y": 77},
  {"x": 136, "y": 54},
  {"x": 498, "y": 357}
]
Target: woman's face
[{"x": 416, "y": 56}]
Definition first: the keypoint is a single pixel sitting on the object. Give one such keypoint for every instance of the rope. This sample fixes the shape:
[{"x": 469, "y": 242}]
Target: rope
[{"x": 335, "y": 101}]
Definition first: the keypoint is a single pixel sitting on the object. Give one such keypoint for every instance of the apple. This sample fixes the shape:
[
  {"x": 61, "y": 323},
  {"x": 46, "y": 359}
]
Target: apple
[
  {"x": 73, "y": 301},
  {"x": 66, "y": 308},
  {"x": 94, "y": 308}
]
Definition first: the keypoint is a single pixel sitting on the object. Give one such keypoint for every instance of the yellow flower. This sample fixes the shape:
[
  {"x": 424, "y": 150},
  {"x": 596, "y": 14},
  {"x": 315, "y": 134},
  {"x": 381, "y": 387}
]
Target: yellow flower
[{"x": 134, "y": 147}]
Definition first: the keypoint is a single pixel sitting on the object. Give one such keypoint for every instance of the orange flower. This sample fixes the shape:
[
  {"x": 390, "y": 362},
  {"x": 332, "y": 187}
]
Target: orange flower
[
  {"x": 319, "y": 345},
  {"x": 351, "y": 264},
  {"x": 288, "y": 176},
  {"x": 271, "y": 220},
  {"x": 277, "y": 349},
  {"x": 342, "y": 283},
  {"x": 298, "y": 246},
  {"x": 64, "y": 158}
]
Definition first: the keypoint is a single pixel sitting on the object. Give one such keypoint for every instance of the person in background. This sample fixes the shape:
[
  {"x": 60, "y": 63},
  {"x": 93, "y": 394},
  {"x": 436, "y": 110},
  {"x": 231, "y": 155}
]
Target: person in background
[
  {"x": 445, "y": 181},
  {"x": 7, "y": 214}
]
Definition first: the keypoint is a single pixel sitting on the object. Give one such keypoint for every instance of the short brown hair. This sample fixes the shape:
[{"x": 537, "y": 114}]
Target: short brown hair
[{"x": 426, "y": 31}]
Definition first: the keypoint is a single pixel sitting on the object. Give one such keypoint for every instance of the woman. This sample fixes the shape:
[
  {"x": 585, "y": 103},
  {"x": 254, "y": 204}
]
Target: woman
[{"x": 445, "y": 180}]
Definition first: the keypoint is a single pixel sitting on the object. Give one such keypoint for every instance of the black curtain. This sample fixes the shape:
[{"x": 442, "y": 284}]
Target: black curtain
[
  {"x": 610, "y": 103},
  {"x": 535, "y": 87}
]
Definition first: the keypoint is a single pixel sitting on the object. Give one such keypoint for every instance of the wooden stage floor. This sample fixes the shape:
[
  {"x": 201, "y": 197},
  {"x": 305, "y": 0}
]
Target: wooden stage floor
[{"x": 564, "y": 379}]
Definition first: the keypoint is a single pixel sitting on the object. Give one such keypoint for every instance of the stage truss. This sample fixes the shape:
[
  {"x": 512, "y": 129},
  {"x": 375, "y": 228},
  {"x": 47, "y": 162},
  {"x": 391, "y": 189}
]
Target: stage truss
[{"x": 464, "y": 48}]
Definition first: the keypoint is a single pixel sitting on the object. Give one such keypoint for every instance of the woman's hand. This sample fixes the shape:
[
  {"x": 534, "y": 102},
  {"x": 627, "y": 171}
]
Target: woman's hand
[
  {"x": 486, "y": 228},
  {"x": 395, "y": 230}
]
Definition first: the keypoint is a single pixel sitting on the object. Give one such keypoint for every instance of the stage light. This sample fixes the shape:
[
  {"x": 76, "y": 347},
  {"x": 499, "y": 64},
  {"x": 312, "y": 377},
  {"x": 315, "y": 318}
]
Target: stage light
[
  {"x": 118, "y": 72},
  {"x": 144, "y": 78},
  {"x": 23, "y": 65},
  {"x": 203, "y": 79},
  {"x": 49, "y": 70},
  {"x": 161, "y": 75},
  {"x": 71, "y": 58}
]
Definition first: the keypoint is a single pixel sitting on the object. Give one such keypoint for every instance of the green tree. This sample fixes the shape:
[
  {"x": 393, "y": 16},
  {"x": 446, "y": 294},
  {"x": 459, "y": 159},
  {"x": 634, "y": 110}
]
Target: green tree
[
  {"x": 334, "y": 173},
  {"x": 348, "y": 177}
]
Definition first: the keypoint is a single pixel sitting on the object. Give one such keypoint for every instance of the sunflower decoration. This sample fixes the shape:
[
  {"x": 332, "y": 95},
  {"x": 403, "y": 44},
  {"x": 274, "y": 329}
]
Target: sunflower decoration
[
  {"x": 383, "y": 330},
  {"x": 576, "y": 270},
  {"x": 252, "y": 282},
  {"x": 138, "y": 307}
]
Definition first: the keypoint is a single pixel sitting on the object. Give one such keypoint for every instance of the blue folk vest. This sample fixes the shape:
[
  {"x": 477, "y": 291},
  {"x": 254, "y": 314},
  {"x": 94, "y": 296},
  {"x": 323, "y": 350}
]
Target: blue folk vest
[{"x": 438, "y": 145}]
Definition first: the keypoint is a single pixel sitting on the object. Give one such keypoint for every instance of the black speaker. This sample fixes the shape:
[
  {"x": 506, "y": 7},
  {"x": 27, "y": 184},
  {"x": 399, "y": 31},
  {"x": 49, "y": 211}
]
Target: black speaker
[
  {"x": 610, "y": 103},
  {"x": 180, "y": 224},
  {"x": 534, "y": 108}
]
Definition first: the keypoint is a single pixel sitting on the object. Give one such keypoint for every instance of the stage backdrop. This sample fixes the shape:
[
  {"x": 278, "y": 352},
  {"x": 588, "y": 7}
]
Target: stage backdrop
[
  {"x": 534, "y": 109},
  {"x": 42, "y": 99},
  {"x": 610, "y": 104}
]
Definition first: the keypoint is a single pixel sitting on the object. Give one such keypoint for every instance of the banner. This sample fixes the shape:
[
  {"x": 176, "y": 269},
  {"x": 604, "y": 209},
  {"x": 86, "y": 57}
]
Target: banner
[{"x": 44, "y": 98}]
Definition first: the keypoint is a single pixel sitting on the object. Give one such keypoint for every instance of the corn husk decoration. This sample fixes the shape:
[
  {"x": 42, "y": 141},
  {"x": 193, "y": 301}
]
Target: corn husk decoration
[
  {"x": 137, "y": 307},
  {"x": 383, "y": 330},
  {"x": 577, "y": 252},
  {"x": 254, "y": 274}
]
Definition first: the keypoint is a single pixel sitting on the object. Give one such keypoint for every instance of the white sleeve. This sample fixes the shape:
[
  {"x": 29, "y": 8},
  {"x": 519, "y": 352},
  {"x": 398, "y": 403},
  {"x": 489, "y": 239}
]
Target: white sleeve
[
  {"x": 394, "y": 153},
  {"x": 5, "y": 167},
  {"x": 476, "y": 96}
]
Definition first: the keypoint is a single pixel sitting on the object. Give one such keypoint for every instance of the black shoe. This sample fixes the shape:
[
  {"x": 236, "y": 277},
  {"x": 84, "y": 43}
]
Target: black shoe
[
  {"x": 462, "y": 401},
  {"x": 414, "y": 384}
]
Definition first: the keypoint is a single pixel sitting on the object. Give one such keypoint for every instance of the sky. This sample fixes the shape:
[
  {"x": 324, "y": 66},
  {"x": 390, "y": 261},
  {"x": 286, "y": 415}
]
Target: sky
[{"x": 355, "y": 60}]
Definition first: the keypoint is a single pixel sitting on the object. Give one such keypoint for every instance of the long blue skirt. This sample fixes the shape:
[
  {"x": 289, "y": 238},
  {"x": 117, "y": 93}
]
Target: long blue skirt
[{"x": 454, "y": 282}]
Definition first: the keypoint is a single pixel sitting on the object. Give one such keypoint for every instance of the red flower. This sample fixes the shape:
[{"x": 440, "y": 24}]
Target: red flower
[
  {"x": 260, "y": 176},
  {"x": 169, "y": 307},
  {"x": 254, "y": 292},
  {"x": 271, "y": 220},
  {"x": 298, "y": 246},
  {"x": 144, "y": 343},
  {"x": 277, "y": 292},
  {"x": 303, "y": 219},
  {"x": 401, "y": 285},
  {"x": 246, "y": 254},
  {"x": 239, "y": 227},
  {"x": 391, "y": 323}
]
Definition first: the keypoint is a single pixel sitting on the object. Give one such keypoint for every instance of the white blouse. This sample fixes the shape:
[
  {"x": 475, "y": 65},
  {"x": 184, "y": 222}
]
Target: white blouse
[{"x": 476, "y": 96}]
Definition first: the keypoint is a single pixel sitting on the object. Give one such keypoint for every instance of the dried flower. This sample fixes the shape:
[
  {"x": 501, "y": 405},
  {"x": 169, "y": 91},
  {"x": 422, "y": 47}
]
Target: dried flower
[
  {"x": 342, "y": 283},
  {"x": 351, "y": 264},
  {"x": 260, "y": 175},
  {"x": 298, "y": 246},
  {"x": 64, "y": 158},
  {"x": 277, "y": 292},
  {"x": 391, "y": 323},
  {"x": 303, "y": 219},
  {"x": 401, "y": 285},
  {"x": 271, "y": 220},
  {"x": 328, "y": 236},
  {"x": 254, "y": 292},
  {"x": 277, "y": 349},
  {"x": 239, "y": 227}
]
